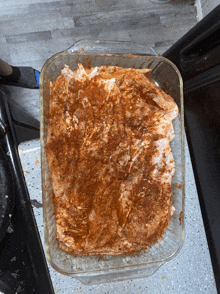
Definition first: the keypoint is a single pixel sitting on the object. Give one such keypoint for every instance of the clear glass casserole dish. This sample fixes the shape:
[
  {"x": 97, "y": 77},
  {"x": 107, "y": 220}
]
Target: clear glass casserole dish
[{"x": 100, "y": 269}]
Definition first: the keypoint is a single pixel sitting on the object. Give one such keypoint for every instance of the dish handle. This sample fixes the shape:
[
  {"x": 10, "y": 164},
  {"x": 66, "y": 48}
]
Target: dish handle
[
  {"x": 117, "y": 275},
  {"x": 111, "y": 47}
]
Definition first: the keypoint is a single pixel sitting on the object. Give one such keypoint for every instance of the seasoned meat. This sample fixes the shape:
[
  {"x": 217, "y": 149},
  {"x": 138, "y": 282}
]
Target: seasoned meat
[{"x": 110, "y": 161}]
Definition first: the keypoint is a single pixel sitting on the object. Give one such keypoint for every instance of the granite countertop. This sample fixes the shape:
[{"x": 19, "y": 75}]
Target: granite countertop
[{"x": 189, "y": 272}]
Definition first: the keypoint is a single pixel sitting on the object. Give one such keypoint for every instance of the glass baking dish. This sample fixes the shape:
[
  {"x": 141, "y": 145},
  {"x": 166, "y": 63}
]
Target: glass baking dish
[{"x": 100, "y": 269}]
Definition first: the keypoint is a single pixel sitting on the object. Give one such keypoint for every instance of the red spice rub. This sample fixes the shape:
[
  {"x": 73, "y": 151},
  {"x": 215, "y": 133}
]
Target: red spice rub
[{"x": 110, "y": 161}]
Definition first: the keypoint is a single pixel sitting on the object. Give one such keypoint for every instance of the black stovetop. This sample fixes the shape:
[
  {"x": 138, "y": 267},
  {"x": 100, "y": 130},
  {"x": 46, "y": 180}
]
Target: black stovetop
[{"x": 23, "y": 267}]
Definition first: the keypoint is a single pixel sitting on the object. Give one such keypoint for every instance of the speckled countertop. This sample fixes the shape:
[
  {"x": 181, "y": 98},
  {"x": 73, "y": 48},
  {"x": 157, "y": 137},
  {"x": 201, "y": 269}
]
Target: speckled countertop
[{"x": 189, "y": 272}]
